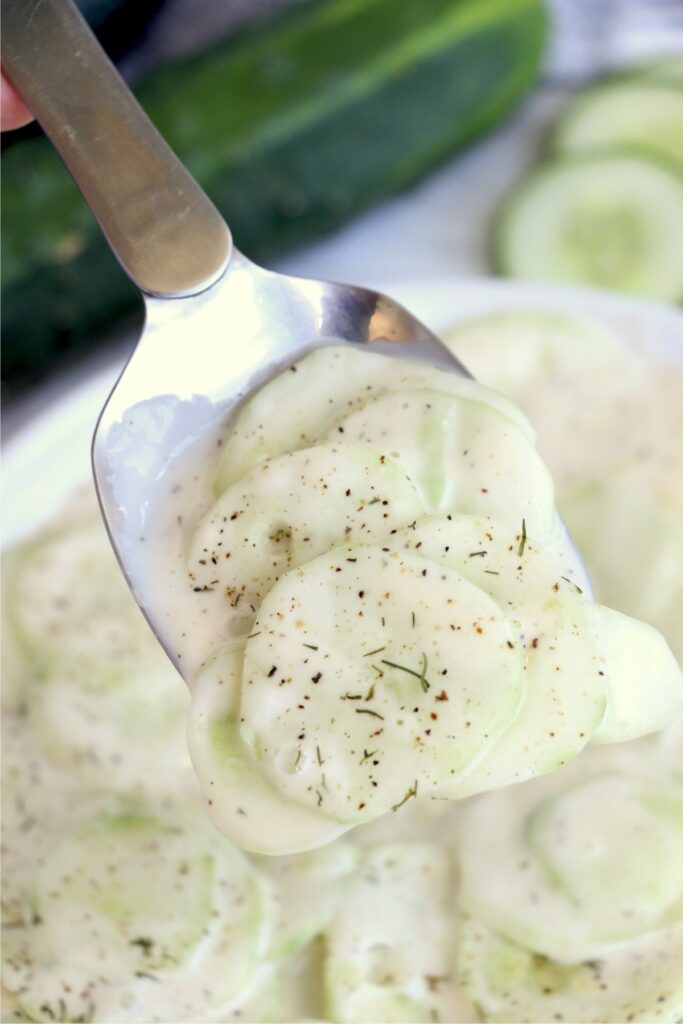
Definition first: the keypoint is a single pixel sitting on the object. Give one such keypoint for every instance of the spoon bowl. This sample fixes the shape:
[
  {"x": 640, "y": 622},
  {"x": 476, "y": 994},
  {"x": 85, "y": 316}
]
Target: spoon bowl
[
  {"x": 217, "y": 326},
  {"x": 199, "y": 358}
]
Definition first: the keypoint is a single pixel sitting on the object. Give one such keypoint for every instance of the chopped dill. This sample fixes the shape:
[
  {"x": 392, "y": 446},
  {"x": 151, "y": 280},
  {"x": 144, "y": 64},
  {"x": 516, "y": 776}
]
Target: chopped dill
[
  {"x": 369, "y": 711},
  {"x": 522, "y": 542},
  {"x": 377, "y": 650},
  {"x": 421, "y": 675},
  {"x": 410, "y": 793}
]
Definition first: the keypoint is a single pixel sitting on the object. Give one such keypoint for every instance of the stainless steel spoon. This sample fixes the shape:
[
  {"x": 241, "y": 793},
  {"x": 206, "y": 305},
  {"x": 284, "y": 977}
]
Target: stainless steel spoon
[{"x": 217, "y": 326}]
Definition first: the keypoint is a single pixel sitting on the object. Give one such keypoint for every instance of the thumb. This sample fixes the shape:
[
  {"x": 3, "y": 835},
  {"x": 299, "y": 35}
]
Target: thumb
[{"x": 13, "y": 111}]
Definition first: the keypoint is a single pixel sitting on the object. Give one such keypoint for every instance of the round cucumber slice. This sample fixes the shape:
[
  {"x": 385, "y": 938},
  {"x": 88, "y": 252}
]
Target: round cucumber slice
[
  {"x": 72, "y": 606},
  {"x": 626, "y": 112},
  {"x": 633, "y": 547},
  {"x": 142, "y": 916},
  {"x": 612, "y": 220},
  {"x": 109, "y": 883},
  {"x": 520, "y": 351},
  {"x": 643, "y": 824},
  {"x": 390, "y": 946},
  {"x": 565, "y": 692},
  {"x": 125, "y": 733},
  {"x": 320, "y": 389},
  {"x": 640, "y": 982},
  {"x": 288, "y": 511},
  {"x": 463, "y": 456},
  {"x": 564, "y": 372},
  {"x": 578, "y": 862},
  {"x": 373, "y": 677},
  {"x": 241, "y": 800},
  {"x": 38, "y": 802},
  {"x": 645, "y": 684}
]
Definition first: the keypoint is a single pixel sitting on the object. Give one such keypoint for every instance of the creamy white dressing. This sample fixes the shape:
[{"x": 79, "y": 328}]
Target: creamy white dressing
[
  {"x": 340, "y": 666},
  {"x": 44, "y": 797}
]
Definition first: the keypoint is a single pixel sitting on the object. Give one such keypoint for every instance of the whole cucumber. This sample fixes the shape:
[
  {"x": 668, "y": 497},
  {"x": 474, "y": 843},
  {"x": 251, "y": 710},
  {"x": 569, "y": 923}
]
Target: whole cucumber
[{"x": 291, "y": 127}]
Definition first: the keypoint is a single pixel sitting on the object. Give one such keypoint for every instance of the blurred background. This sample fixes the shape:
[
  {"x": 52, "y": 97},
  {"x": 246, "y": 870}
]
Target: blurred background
[{"x": 370, "y": 142}]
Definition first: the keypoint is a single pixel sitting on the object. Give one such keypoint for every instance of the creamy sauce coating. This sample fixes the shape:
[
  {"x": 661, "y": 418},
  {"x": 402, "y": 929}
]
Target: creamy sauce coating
[{"x": 48, "y": 794}]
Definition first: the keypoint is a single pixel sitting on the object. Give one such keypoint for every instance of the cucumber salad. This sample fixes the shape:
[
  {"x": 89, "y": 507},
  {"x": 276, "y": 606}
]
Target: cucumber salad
[{"x": 443, "y": 771}]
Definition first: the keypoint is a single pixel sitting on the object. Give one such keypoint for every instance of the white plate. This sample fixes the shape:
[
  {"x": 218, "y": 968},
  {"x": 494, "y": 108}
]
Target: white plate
[{"x": 49, "y": 457}]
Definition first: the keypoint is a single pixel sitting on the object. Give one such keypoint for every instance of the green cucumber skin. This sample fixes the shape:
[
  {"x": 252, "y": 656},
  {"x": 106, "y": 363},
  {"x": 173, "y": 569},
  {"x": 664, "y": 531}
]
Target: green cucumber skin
[{"x": 290, "y": 129}]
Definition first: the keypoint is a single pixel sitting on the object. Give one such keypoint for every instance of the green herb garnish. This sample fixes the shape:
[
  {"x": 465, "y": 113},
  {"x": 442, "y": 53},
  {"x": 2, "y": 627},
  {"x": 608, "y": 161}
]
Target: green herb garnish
[
  {"x": 411, "y": 792},
  {"x": 421, "y": 675},
  {"x": 522, "y": 542}
]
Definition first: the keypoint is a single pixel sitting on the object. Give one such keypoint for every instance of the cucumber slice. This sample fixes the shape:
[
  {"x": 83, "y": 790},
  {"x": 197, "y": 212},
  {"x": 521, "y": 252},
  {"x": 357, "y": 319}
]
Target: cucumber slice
[
  {"x": 565, "y": 693},
  {"x": 321, "y": 388},
  {"x": 613, "y": 220},
  {"x": 142, "y": 916},
  {"x": 644, "y": 825},
  {"x": 241, "y": 800},
  {"x": 343, "y": 691},
  {"x": 126, "y": 733},
  {"x": 38, "y": 802},
  {"x": 520, "y": 351},
  {"x": 633, "y": 547},
  {"x": 463, "y": 456},
  {"x": 639, "y": 982},
  {"x": 564, "y": 372},
  {"x": 72, "y": 606},
  {"x": 645, "y": 683},
  {"x": 308, "y": 888},
  {"x": 626, "y": 112},
  {"x": 390, "y": 947},
  {"x": 290, "y": 510},
  {"x": 575, "y": 863}
]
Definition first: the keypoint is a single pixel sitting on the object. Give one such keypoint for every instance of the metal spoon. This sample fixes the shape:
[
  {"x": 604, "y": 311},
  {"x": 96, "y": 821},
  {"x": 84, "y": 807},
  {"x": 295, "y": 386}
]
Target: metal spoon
[{"x": 217, "y": 326}]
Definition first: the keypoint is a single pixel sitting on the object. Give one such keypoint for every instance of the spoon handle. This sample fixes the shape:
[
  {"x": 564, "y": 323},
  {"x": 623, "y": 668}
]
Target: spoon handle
[{"x": 169, "y": 237}]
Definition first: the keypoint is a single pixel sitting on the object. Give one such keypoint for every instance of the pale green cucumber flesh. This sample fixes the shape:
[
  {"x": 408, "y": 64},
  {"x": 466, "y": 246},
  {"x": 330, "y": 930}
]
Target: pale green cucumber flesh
[
  {"x": 334, "y": 381},
  {"x": 352, "y": 654},
  {"x": 508, "y": 983},
  {"x": 612, "y": 220},
  {"x": 627, "y": 112}
]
